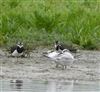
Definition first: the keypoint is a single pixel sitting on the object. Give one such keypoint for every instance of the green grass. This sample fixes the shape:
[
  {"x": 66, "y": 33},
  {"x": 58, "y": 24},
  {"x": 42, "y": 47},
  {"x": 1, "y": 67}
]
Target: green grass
[{"x": 41, "y": 22}]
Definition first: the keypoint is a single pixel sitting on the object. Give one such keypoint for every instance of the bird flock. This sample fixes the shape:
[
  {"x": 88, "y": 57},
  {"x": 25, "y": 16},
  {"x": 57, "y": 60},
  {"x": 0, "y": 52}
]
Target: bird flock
[{"x": 61, "y": 55}]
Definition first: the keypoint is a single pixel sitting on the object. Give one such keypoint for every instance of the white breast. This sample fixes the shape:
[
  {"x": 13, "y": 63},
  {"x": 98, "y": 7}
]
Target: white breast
[
  {"x": 55, "y": 45},
  {"x": 65, "y": 58},
  {"x": 15, "y": 53}
]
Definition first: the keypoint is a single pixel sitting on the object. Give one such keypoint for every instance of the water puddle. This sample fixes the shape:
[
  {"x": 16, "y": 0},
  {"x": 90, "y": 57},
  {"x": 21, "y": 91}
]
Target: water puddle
[{"x": 48, "y": 86}]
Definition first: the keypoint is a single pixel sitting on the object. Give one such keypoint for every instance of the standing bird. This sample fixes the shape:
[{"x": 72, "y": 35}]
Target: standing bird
[
  {"x": 17, "y": 50},
  {"x": 59, "y": 46},
  {"x": 63, "y": 58}
]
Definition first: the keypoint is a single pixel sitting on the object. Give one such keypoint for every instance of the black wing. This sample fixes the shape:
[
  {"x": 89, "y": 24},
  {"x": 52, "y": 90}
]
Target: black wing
[{"x": 13, "y": 48}]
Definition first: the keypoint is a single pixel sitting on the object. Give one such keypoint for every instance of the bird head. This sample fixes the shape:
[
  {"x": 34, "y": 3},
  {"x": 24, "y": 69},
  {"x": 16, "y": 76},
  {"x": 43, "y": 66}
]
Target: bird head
[
  {"x": 20, "y": 44},
  {"x": 56, "y": 42}
]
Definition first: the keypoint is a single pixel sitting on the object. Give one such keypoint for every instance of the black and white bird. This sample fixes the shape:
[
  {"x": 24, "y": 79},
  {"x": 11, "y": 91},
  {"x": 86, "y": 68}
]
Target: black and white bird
[
  {"x": 58, "y": 46},
  {"x": 17, "y": 50}
]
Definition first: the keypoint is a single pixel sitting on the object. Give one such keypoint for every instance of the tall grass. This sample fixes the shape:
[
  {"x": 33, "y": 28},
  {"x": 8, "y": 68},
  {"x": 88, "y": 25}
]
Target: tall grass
[{"x": 41, "y": 22}]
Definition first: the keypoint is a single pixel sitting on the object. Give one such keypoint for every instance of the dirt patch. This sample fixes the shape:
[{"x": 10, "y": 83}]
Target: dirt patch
[{"x": 86, "y": 67}]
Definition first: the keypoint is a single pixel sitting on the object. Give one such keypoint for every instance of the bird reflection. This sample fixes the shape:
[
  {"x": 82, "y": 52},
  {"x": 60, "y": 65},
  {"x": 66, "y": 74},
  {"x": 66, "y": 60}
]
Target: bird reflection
[
  {"x": 16, "y": 84},
  {"x": 60, "y": 86}
]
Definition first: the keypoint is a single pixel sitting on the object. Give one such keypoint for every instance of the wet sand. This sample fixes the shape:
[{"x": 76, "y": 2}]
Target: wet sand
[{"x": 38, "y": 67}]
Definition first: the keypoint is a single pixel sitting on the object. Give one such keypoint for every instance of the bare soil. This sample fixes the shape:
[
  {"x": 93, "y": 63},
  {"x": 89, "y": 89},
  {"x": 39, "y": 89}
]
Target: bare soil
[{"x": 38, "y": 67}]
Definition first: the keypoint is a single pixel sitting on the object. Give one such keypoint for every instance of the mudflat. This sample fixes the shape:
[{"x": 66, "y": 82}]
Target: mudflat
[{"x": 37, "y": 67}]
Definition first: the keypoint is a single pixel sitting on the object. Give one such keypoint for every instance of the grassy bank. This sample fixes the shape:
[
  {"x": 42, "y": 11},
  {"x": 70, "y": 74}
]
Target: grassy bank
[{"x": 41, "y": 22}]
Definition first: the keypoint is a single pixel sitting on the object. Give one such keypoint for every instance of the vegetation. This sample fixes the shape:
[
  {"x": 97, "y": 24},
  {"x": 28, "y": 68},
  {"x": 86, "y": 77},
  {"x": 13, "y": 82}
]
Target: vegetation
[{"x": 41, "y": 22}]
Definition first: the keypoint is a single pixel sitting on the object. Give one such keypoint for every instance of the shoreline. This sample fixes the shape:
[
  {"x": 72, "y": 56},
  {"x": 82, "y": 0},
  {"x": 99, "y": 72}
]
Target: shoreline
[{"x": 37, "y": 67}]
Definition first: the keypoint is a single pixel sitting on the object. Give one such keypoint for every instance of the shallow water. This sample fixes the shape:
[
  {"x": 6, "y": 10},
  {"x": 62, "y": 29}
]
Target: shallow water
[{"x": 48, "y": 86}]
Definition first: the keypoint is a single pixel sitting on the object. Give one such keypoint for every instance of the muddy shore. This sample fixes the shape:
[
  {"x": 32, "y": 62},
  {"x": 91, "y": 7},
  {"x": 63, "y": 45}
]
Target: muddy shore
[{"x": 38, "y": 67}]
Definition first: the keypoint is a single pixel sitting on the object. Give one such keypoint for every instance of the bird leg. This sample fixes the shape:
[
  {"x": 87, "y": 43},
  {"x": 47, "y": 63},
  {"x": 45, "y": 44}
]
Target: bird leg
[
  {"x": 17, "y": 58},
  {"x": 64, "y": 66},
  {"x": 57, "y": 65}
]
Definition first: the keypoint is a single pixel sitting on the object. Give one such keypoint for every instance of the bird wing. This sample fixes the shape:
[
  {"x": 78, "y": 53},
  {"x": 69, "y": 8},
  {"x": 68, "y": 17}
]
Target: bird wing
[
  {"x": 66, "y": 55},
  {"x": 13, "y": 48}
]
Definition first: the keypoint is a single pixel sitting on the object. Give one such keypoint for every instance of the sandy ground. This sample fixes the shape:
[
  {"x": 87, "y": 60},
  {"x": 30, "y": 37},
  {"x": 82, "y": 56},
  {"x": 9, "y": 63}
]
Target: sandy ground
[{"x": 38, "y": 67}]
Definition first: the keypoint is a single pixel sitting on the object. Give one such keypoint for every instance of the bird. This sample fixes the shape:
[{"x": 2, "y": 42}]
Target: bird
[
  {"x": 17, "y": 50},
  {"x": 60, "y": 46},
  {"x": 63, "y": 58}
]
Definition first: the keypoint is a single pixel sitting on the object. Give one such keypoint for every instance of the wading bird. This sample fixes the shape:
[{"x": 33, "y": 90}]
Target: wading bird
[{"x": 63, "y": 58}]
